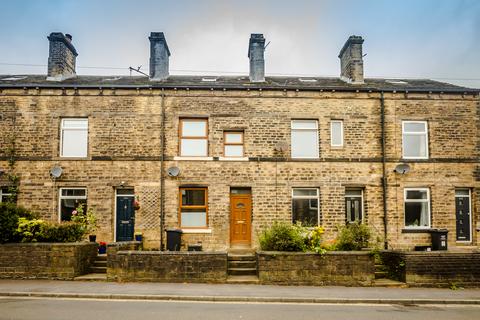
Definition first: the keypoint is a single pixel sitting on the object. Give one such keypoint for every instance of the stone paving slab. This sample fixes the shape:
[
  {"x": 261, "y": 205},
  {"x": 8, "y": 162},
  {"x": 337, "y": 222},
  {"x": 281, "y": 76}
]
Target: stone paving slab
[{"x": 236, "y": 292}]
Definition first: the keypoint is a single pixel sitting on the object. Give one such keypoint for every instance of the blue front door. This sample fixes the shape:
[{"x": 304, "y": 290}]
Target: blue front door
[{"x": 125, "y": 218}]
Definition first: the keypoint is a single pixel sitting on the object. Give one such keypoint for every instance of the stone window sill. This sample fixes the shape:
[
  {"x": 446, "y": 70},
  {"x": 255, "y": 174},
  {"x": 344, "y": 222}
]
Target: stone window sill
[
  {"x": 233, "y": 158},
  {"x": 193, "y": 158},
  {"x": 196, "y": 230}
]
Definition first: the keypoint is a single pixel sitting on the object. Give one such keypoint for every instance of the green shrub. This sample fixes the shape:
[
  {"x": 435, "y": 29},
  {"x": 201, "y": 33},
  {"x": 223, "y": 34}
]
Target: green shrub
[
  {"x": 61, "y": 232},
  {"x": 29, "y": 230},
  {"x": 9, "y": 215},
  {"x": 353, "y": 236},
  {"x": 283, "y": 237}
]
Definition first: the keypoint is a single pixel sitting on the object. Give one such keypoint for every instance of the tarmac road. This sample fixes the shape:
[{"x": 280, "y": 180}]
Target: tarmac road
[{"x": 71, "y": 309}]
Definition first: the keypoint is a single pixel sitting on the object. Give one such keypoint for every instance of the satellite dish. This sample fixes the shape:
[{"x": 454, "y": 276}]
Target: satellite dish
[
  {"x": 173, "y": 171},
  {"x": 56, "y": 172},
  {"x": 402, "y": 168}
]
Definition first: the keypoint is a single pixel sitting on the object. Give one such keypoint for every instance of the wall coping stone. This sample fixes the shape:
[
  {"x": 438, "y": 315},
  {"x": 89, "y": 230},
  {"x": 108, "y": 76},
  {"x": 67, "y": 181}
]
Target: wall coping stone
[
  {"x": 171, "y": 253},
  {"x": 333, "y": 253},
  {"x": 39, "y": 244}
]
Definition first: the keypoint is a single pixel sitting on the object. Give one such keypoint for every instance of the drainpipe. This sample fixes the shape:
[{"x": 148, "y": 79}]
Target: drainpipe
[
  {"x": 162, "y": 178},
  {"x": 384, "y": 177}
]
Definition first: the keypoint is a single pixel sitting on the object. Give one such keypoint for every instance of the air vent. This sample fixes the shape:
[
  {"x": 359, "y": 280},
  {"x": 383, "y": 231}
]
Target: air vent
[
  {"x": 396, "y": 81},
  {"x": 209, "y": 79}
]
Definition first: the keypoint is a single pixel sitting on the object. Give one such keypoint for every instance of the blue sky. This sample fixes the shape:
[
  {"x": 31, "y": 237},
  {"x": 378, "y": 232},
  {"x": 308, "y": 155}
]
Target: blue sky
[{"x": 437, "y": 39}]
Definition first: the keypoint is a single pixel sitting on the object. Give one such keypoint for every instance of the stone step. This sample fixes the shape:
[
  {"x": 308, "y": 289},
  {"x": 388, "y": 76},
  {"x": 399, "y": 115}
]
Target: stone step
[
  {"x": 98, "y": 269},
  {"x": 243, "y": 280},
  {"x": 381, "y": 274},
  {"x": 101, "y": 257},
  {"x": 241, "y": 257},
  {"x": 100, "y": 263},
  {"x": 242, "y": 264},
  {"x": 92, "y": 277},
  {"x": 242, "y": 271},
  {"x": 388, "y": 283}
]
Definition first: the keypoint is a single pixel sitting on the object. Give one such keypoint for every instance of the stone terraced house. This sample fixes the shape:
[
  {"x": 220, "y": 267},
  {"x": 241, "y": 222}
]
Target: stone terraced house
[{"x": 223, "y": 157}]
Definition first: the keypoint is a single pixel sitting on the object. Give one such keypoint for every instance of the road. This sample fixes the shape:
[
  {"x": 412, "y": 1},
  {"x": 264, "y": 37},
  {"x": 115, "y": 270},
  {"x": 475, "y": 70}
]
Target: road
[{"x": 72, "y": 309}]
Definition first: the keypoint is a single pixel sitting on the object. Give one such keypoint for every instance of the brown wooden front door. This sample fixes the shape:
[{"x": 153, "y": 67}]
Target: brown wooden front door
[{"x": 240, "y": 218}]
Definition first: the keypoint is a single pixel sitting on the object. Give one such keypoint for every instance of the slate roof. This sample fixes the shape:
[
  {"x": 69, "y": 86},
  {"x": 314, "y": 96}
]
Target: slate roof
[{"x": 234, "y": 82}]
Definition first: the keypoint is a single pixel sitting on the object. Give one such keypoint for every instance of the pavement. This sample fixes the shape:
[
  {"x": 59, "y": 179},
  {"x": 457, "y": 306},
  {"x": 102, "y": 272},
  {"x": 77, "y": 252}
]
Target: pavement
[{"x": 236, "y": 292}]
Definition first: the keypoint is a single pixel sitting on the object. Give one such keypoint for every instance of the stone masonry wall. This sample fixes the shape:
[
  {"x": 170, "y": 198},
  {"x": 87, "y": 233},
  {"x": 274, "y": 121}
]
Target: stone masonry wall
[
  {"x": 437, "y": 269},
  {"x": 333, "y": 268},
  {"x": 62, "y": 261},
  {"x": 165, "y": 266},
  {"x": 124, "y": 151}
]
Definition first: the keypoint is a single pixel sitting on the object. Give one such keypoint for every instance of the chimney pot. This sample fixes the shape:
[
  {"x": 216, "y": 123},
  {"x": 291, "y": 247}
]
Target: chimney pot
[
  {"x": 351, "y": 60},
  {"x": 61, "y": 58},
  {"x": 159, "y": 57},
  {"x": 256, "y": 50}
]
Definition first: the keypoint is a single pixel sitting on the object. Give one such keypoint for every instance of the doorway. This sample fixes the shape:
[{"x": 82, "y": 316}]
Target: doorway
[
  {"x": 240, "y": 216},
  {"x": 463, "y": 215},
  {"x": 125, "y": 215}
]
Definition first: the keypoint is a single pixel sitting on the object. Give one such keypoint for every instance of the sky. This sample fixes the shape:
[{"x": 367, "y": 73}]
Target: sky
[{"x": 435, "y": 39}]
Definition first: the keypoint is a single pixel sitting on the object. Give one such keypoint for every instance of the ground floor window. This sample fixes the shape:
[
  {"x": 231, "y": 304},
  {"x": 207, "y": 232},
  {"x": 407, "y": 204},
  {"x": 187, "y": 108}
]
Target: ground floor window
[
  {"x": 6, "y": 195},
  {"x": 193, "y": 207},
  {"x": 70, "y": 199},
  {"x": 305, "y": 208},
  {"x": 354, "y": 205},
  {"x": 417, "y": 207}
]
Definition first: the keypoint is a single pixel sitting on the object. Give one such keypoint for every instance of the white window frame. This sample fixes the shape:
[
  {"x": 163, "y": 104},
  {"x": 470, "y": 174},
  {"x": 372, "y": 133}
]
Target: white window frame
[
  {"x": 316, "y": 197},
  {"x": 4, "y": 195},
  {"x": 331, "y": 133},
  {"x": 60, "y": 198},
  {"x": 469, "y": 215},
  {"x": 405, "y": 200},
  {"x": 415, "y": 133},
  {"x": 317, "y": 148},
  {"x": 62, "y": 129}
]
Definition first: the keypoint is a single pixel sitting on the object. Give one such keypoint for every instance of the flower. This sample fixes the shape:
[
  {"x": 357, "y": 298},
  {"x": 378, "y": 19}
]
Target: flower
[
  {"x": 102, "y": 244},
  {"x": 74, "y": 212}
]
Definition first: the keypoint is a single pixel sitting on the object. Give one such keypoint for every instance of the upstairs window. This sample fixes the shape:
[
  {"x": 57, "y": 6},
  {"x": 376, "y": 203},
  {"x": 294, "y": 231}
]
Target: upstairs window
[
  {"x": 305, "y": 207},
  {"x": 304, "y": 137},
  {"x": 417, "y": 208},
  {"x": 415, "y": 139},
  {"x": 193, "y": 207},
  {"x": 70, "y": 200},
  {"x": 74, "y": 138},
  {"x": 233, "y": 144},
  {"x": 336, "y": 133},
  {"x": 193, "y": 137}
]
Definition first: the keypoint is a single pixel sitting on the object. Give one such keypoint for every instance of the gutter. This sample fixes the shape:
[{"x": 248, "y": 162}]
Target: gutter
[
  {"x": 242, "y": 87},
  {"x": 162, "y": 177},
  {"x": 384, "y": 177}
]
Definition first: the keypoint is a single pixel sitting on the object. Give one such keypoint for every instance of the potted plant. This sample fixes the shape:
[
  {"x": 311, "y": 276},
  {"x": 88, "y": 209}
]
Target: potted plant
[
  {"x": 136, "y": 204},
  {"x": 138, "y": 236},
  {"x": 102, "y": 247}
]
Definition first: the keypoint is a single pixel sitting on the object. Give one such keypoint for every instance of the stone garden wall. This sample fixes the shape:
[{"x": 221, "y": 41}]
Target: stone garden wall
[
  {"x": 435, "y": 269},
  {"x": 62, "y": 261},
  {"x": 167, "y": 266},
  {"x": 333, "y": 268}
]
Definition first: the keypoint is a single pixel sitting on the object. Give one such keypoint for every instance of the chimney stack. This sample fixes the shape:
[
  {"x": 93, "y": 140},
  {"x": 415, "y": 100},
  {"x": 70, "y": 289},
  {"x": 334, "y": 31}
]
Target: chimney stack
[
  {"x": 159, "y": 55},
  {"x": 256, "y": 49},
  {"x": 351, "y": 60},
  {"x": 61, "y": 57}
]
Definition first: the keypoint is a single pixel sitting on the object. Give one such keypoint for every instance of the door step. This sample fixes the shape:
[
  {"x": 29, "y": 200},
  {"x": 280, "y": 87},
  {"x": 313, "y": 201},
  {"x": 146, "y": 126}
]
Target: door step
[
  {"x": 242, "y": 267},
  {"x": 243, "y": 280},
  {"x": 92, "y": 277},
  {"x": 388, "y": 283}
]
